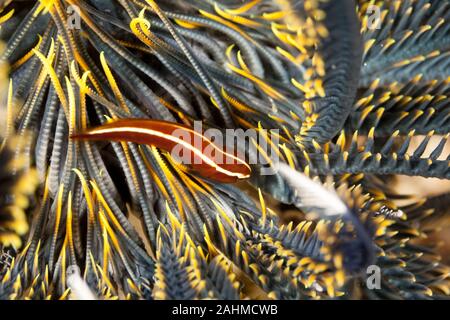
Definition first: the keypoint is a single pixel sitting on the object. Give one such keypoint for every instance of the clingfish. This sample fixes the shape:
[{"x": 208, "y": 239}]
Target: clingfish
[{"x": 196, "y": 152}]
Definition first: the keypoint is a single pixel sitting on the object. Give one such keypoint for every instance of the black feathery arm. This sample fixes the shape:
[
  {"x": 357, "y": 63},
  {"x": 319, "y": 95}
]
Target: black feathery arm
[
  {"x": 341, "y": 52},
  {"x": 390, "y": 158}
]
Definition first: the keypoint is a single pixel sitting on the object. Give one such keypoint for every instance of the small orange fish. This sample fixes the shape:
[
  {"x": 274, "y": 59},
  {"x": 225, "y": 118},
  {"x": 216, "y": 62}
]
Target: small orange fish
[{"x": 167, "y": 136}]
